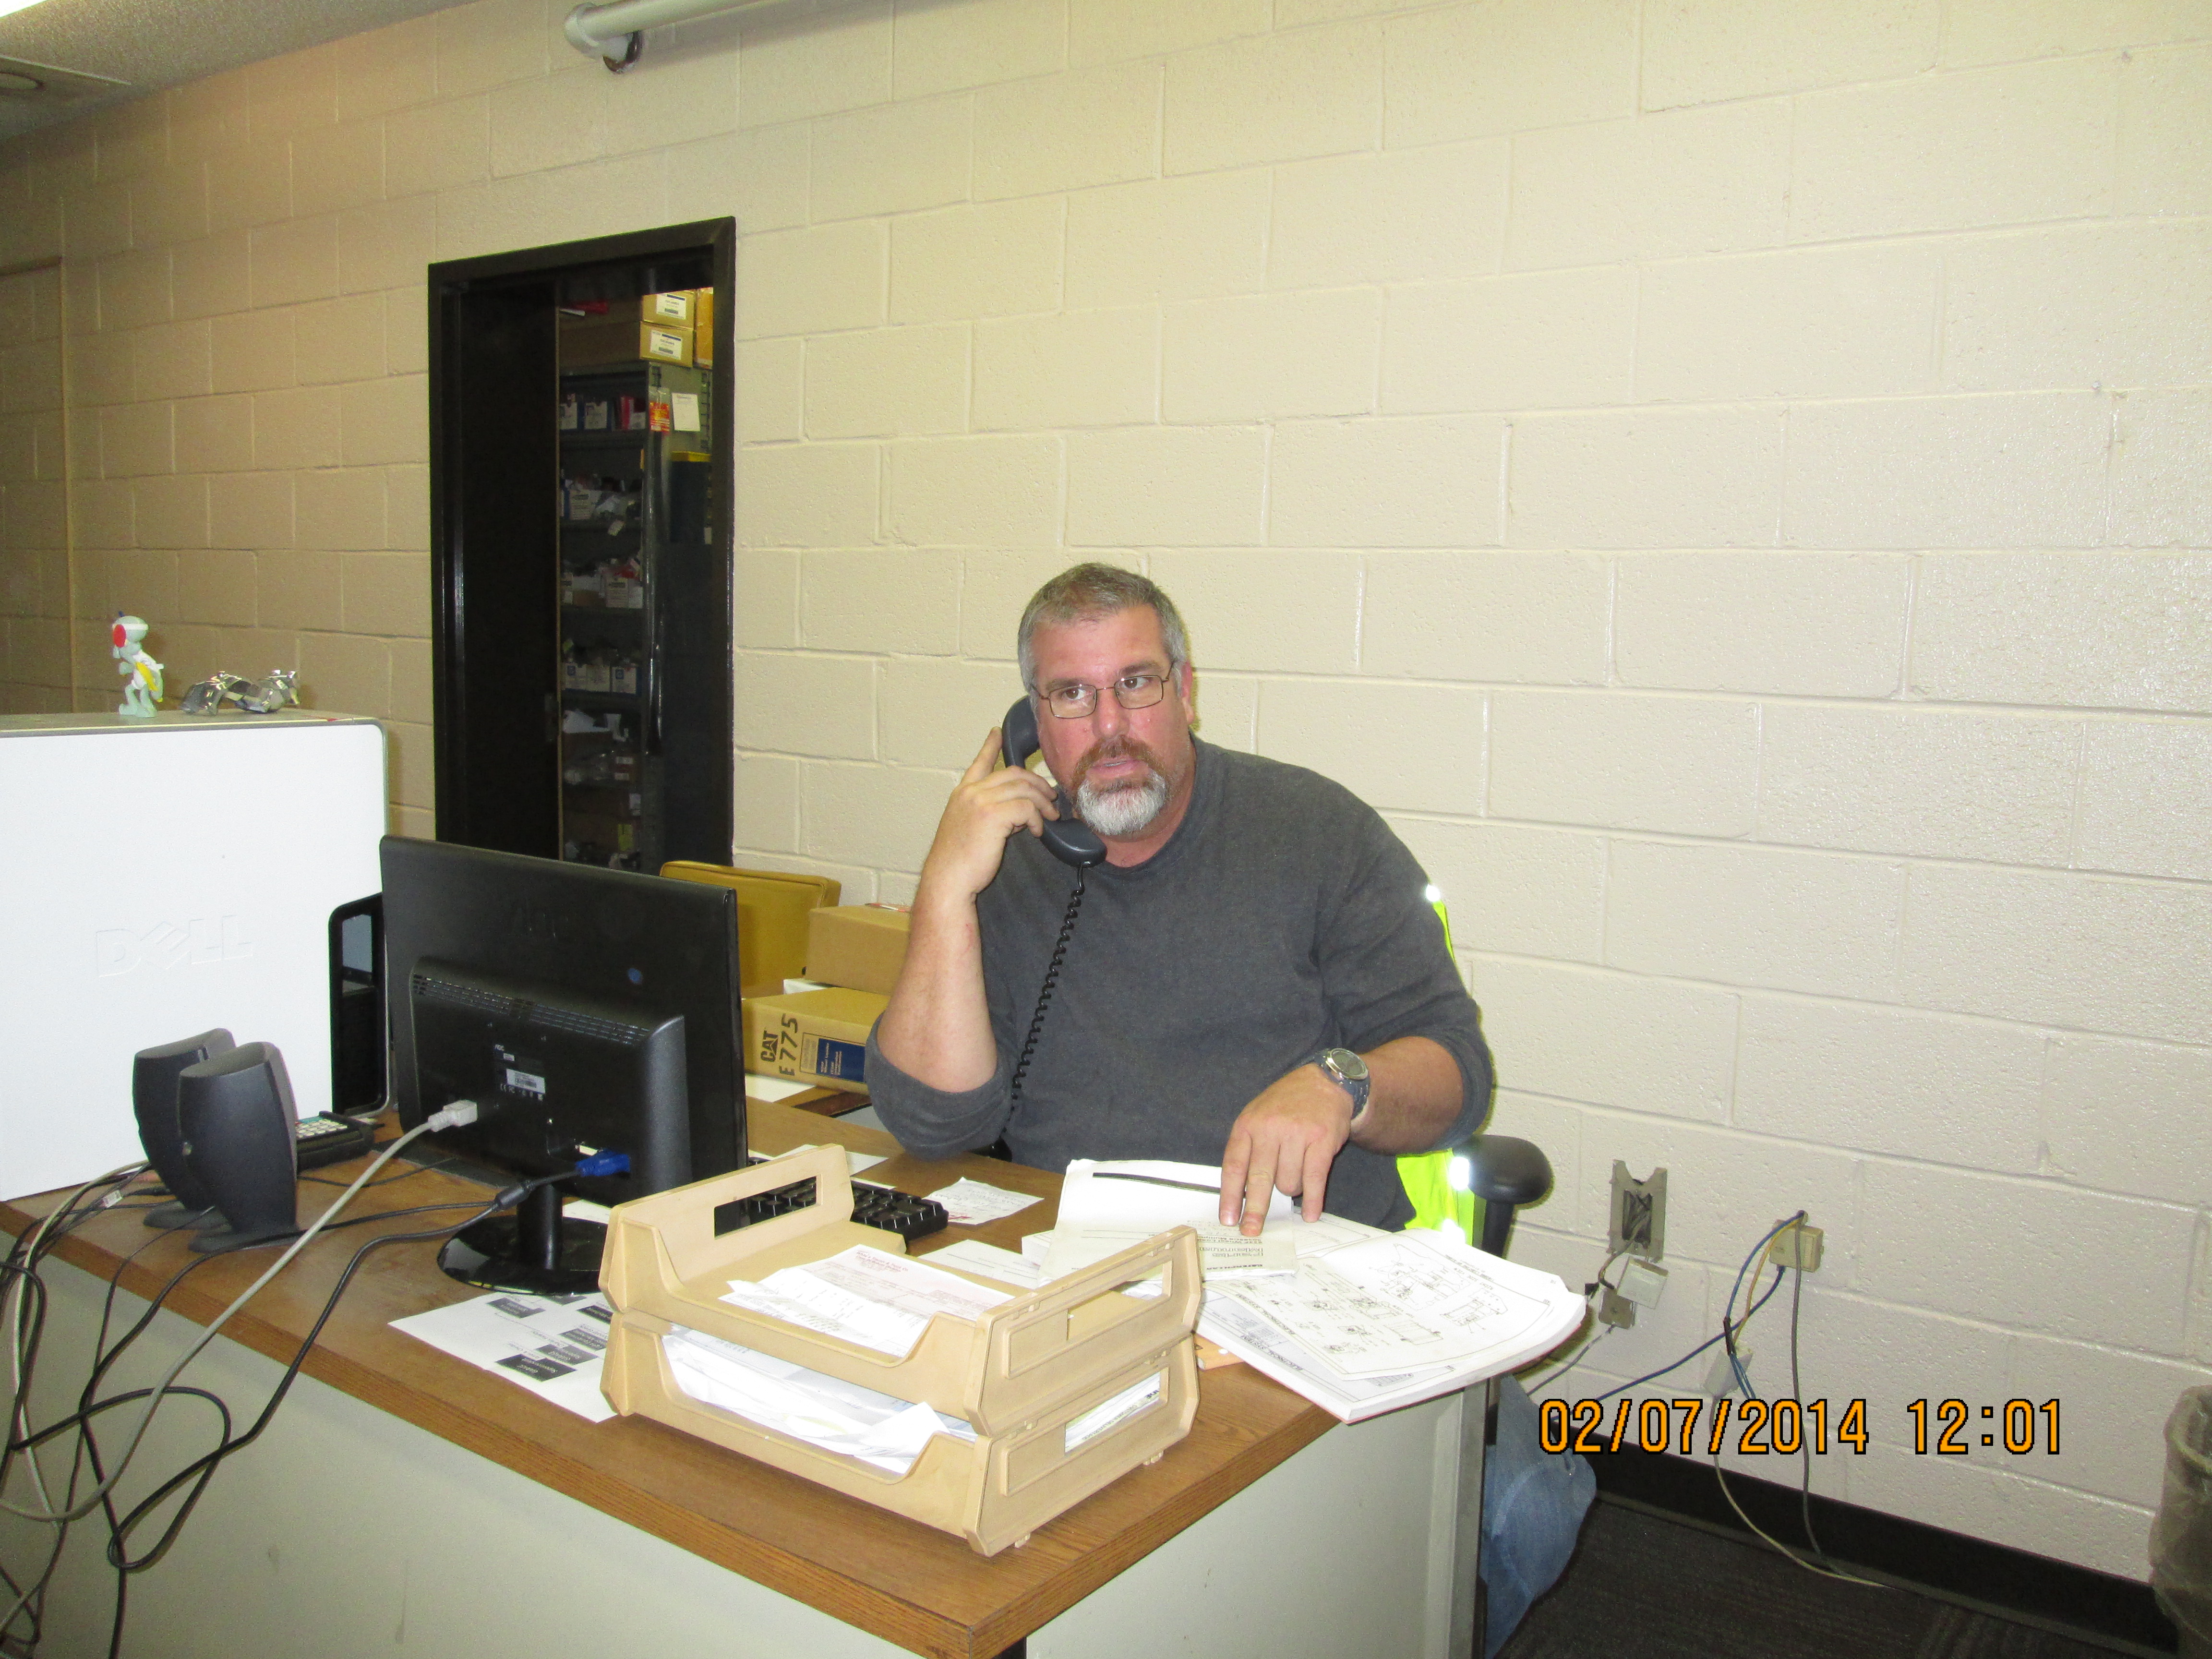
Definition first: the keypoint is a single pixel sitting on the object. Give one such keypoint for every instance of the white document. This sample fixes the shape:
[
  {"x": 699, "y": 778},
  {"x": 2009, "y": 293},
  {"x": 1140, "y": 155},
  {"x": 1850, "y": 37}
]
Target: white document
[
  {"x": 684, "y": 410},
  {"x": 1390, "y": 1320},
  {"x": 553, "y": 1348},
  {"x": 854, "y": 1162},
  {"x": 1111, "y": 1413},
  {"x": 971, "y": 1203},
  {"x": 973, "y": 1256},
  {"x": 879, "y": 1429},
  {"x": 864, "y": 1295},
  {"x": 773, "y": 1088},
  {"x": 1224, "y": 1253},
  {"x": 1271, "y": 1350},
  {"x": 1148, "y": 1195},
  {"x": 1358, "y": 1331}
]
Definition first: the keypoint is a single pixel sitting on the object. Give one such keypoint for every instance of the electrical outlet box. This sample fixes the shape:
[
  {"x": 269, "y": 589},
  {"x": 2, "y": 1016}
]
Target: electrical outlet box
[
  {"x": 1643, "y": 1283},
  {"x": 1614, "y": 1308},
  {"x": 1720, "y": 1376},
  {"x": 1796, "y": 1247},
  {"x": 1639, "y": 1224}
]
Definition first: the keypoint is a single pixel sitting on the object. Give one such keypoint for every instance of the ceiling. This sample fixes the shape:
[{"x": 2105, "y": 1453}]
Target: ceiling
[{"x": 147, "y": 44}]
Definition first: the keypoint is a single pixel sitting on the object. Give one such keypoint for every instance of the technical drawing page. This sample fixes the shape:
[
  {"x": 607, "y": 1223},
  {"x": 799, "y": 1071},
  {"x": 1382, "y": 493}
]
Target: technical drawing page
[
  {"x": 1361, "y": 1334},
  {"x": 1250, "y": 1332},
  {"x": 1454, "y": 1290}
]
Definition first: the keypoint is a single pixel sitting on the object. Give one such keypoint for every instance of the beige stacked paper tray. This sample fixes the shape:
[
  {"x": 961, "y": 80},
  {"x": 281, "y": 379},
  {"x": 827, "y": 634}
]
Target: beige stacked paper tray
[{"x": 1020, "y": 1374}]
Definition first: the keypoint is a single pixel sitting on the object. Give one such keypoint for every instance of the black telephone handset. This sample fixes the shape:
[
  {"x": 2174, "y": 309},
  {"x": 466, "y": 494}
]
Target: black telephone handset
[{"x": 1068, "y": 837}]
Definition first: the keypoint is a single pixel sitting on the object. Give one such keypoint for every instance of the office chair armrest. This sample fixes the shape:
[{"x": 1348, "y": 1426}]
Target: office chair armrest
[
  {"x": 1505, "y": 1172},
  {"x": 1503, "y": 1169}
]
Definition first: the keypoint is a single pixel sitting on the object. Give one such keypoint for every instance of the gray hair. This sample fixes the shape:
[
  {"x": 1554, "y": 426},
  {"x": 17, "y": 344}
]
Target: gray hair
[{"x": 1091, "y": 592}]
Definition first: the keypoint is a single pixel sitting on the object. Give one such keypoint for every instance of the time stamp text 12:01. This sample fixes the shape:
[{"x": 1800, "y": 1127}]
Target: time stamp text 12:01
[{"x": 1948, "y": 1428}]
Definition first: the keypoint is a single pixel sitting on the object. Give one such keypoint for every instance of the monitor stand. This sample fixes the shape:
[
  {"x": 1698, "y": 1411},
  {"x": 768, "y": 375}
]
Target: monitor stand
[{"x": 535, "y": 1250}]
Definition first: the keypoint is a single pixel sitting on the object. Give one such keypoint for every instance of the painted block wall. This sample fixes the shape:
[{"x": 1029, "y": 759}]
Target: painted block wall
[
  {"x": 1732, "y": 482},
  {"x": 34, "y": 570}
]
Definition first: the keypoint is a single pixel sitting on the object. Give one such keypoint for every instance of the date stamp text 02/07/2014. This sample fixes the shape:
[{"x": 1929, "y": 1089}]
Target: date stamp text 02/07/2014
[{"x": 1948, "y": 1428}]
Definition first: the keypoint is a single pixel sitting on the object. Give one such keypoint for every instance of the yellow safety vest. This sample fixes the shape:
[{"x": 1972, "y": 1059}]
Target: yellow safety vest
[{"x": 1427, "y": 1177}]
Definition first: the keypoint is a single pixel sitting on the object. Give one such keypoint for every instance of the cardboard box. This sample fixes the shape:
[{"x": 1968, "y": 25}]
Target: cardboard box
[
  {"x": 813, "y": 1037},
  {"x": 773, "y": 906},
  {"x": 860, "y": 947},
  {"x": 621, "y": 338},
  {"x": 702, "y": 327},
  {"x": 665, "y": 342},
  {"x": 674, "y": 306}
]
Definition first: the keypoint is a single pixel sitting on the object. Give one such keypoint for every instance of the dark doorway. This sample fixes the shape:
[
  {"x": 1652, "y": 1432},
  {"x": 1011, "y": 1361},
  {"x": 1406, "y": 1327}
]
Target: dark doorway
[{"x": 571, "y": 467}]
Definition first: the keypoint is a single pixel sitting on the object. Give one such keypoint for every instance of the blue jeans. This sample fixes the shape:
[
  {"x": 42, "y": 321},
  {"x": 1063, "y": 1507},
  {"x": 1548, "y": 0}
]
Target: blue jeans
[{"x": 1533, "y": 1505}]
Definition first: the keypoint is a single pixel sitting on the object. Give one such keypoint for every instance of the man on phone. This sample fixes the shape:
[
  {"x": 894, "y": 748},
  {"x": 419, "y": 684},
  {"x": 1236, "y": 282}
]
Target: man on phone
[{"x": 1252, "y": 976}]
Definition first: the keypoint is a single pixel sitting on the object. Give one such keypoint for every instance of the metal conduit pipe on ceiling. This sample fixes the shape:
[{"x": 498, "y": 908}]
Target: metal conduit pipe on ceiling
[{"x": 615, "y": 33}]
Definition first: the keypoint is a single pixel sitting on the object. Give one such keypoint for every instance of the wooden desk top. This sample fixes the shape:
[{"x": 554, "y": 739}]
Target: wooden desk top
[{"x": 923, "y": 1589}]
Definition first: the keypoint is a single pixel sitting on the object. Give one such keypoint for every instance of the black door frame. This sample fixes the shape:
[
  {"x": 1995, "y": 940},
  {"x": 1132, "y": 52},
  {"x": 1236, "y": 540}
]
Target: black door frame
[{"x": 451, "y": 283}]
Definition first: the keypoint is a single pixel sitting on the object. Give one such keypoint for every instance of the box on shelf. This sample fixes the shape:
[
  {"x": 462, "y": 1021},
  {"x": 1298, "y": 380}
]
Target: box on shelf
[
  {"x": 1023, "y": 1375},
  {"x": 625, "y": 334},
  {"x": 818, "y": 1037},
  {"x": 860, "y": 947},
  {"x": 702, "y": 327},
  {"x": 664, "y": 343},
  {"x": 772, "y": 910},
  {"x": 673, "y": 306}
]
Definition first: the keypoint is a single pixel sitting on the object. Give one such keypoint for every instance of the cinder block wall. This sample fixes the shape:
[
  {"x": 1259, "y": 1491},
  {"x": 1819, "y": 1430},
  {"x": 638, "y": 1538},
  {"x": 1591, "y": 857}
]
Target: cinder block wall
[
  {"x": 34, "y": 581},
  {"x": 1733, "y": 481}
]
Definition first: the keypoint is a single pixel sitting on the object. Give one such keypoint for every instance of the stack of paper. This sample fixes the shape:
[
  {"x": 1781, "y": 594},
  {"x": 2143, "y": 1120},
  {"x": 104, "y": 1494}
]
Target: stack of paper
[
  {"x": 1104, "y": 1208},
  {"x": 1386, "y": 1321},
  {"x": 866, "y": 1295},
  {"x": 824, "y": 1411}
]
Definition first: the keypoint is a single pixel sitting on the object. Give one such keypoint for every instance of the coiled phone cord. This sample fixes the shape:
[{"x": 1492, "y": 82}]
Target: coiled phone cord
[{"x": 1045, "y": 990}]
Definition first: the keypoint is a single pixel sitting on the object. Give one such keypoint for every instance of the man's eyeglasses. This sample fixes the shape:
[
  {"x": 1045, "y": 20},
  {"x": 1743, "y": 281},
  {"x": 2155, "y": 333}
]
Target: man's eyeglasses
[{"x": 1077, "y": 702}]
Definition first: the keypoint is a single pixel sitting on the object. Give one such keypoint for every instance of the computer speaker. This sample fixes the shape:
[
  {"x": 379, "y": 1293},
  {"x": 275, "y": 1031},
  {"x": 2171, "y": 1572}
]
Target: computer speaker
[
  {"x": 154, "y": 1075},
  {"x": 235, "y": 1110}
]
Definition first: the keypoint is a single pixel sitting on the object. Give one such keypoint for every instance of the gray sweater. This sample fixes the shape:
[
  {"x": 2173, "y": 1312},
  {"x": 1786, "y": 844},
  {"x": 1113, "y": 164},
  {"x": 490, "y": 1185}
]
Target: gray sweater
[{"x": 1282, "y": 918}]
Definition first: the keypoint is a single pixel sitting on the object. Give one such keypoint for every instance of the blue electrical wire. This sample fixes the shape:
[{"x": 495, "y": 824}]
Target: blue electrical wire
[{"x": 1725, "y": 1329}]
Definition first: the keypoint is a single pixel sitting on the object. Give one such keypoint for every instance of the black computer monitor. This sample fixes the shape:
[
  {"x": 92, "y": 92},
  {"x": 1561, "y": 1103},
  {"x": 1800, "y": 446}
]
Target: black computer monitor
[{"x": 584, "y": 1011}]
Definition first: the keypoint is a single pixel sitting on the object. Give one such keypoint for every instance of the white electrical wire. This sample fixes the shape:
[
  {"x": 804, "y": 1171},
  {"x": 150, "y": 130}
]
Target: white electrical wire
[{"x": 448, "y": 1119}]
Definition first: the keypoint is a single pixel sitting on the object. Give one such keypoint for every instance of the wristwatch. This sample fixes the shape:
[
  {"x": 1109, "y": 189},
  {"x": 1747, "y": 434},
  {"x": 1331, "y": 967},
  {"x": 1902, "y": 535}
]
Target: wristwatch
[{"x": 1349, "y": 1072}]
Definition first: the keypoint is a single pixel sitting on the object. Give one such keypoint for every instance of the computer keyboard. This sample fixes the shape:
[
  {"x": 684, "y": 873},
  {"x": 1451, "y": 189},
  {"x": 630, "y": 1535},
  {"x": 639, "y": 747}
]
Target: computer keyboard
[{"x": 324, "y": 1138}]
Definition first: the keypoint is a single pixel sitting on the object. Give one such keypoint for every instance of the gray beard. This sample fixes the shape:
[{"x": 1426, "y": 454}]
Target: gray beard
[{"x": 1127, "y": 810}]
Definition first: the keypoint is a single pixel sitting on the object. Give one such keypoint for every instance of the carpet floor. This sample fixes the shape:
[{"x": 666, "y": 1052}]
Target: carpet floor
[{"x": 1641, "y": 1586}]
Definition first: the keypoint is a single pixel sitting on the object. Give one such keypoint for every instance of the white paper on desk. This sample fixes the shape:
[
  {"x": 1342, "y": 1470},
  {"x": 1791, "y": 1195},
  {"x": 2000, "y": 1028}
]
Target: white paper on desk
[
  {"x": 550, "y": 1347},
  {"x": 1267, "y": 1348},
  {"x": 973, "y": 1256},
  {"x": 1348, "y": 1325},
  {"x": 1355, "y": 1315},
  {"x": 1149, "y": 1194},
  {"x": 773, "y": 1088},
  {"x": 971, "y": 1203},
  {"x": 879, "y": 1429},
  {"x": 854, "y": 1162},
  {"x": 1224, "y": 1253},
  {"x": 864, "y": 1295}
]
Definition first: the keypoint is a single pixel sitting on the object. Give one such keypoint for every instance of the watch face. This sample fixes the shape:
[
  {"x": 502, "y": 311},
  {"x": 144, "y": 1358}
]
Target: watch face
[{"x": 1347, "y": 1064}]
